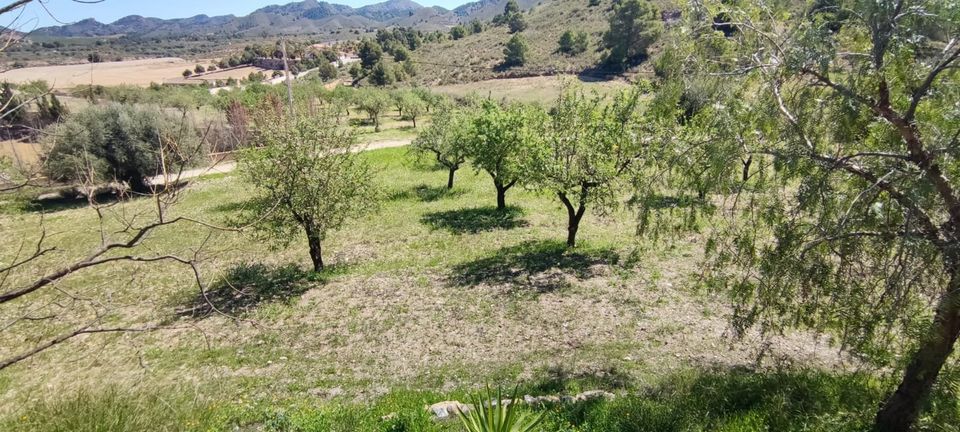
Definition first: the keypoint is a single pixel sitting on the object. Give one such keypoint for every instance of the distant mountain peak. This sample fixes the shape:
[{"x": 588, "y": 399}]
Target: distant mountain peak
[{"x": 306, "y": 16}]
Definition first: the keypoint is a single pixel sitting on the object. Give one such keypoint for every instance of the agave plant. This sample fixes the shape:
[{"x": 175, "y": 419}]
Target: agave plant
[{"x": 491, "y": 413}]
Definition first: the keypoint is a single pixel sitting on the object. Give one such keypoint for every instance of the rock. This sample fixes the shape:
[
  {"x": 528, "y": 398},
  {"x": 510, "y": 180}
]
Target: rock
[{"x": 447, "y": 409}]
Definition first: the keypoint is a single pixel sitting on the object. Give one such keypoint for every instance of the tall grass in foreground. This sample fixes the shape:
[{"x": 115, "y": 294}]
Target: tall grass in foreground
[{"x": 727, "y": 400}]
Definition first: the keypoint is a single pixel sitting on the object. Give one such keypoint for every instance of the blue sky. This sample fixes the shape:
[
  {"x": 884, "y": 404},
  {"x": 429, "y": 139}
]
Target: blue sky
[{"x": 111, "y": 10}]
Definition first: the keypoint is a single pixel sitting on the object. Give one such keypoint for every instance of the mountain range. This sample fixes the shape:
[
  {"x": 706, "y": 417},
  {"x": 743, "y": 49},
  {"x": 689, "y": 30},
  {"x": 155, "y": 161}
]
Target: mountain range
[{"x": 308, "y": 16}]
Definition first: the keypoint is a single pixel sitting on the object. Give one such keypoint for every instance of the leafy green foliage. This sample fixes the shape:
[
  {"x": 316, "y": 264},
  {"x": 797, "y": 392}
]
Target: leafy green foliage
[
  {"x": 500, "y": 141},
  {"x": 573, "y": 43},
  {"x": 11, "y": 106},
  {"x": 122, "y": 142},
  {"x": 588, "y": 149},
  {"x": 445, "y": 140},
  {"x": 634, "y": 26},
  {"x": 492, "y": 413},
  {"x": 515, "y": 54},
  {"x": 370, "y": 53},
  {"x": 306, "y": 178},
  {"x": 844, "y": 179},
  {"x": 374, "y": 103},
  {"x": 382, "y": 75},
  {"x": 327, "y": 71}
]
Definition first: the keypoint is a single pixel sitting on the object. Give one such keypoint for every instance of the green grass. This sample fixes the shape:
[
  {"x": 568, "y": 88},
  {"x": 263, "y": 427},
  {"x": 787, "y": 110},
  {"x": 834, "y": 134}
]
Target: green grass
[
  {"x": 714, "y": 400},
  {"x": 426, "y": 299}
]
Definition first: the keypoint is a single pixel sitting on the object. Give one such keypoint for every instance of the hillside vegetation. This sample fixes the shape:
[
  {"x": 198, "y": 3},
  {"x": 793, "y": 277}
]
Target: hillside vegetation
[{"x": 477, "y": 56}]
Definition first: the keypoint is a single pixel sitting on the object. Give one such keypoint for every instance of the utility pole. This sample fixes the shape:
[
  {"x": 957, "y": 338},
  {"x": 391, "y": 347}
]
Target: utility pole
[{"x": 286, "y": 73}]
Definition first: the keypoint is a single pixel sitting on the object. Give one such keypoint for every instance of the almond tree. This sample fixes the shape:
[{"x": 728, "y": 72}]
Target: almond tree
[
  {"x": 588, "y": 148},
  {"x": 500, "y": 141},
  {"x": 445, "y": 139},
  {"x": 307, "y": 180},
  {"x": 850, "y": 223}
]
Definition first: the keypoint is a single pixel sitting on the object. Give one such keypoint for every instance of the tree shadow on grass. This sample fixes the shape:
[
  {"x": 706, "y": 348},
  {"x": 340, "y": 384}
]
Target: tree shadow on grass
[
  {"x": 543, "y": 265},
  {"x": 475, "y": 220},
  {"x": 561, "y": 380},
  {"x": 69, "y": 198},
  {"x": 246, "y": 286},
  {"x": 426, "y": 193}
]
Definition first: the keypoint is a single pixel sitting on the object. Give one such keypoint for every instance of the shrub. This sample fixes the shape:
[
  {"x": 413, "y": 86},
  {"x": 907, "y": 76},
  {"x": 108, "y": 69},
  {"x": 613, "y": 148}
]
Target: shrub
[
  {"x": 327, "y": 71},
  {"x": 515, "y": 54},
  {"x": 382, "y": 75},
  {"x": 573, "y": 43},
  {"x": 121, "y": 142},
  {"x": 517, "y": 23}
]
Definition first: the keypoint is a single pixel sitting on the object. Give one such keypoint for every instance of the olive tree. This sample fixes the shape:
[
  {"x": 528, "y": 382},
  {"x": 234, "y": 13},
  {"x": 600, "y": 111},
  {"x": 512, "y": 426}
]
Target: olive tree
[
  {"x": 118, "y": 142},
  {"x": 852, "y": 223},
  {"x": 500, "y": 140},
  {"x": 445, "y": 140},
  {"x": 589, "y": 146},
  {"x": 306, "y": 180}
]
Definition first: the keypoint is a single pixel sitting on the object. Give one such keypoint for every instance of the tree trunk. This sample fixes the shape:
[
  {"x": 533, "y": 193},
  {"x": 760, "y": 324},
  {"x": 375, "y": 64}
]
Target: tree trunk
[
  {"x": 453, "y": 172},
  {"x": 316, "y": 251},
  {"x": 574, "y": 216},
  {"x": 502, "y": 192},
  {"x": 414, "y": 122},
  {"x": 902, "y": 408},
  {"x": 376, "y": 124},
  {"x": 746, "y": 169}
]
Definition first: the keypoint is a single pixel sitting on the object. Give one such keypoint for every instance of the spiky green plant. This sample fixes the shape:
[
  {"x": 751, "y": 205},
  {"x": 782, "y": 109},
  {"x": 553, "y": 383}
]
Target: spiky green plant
[{"x": 491, "y": 414}]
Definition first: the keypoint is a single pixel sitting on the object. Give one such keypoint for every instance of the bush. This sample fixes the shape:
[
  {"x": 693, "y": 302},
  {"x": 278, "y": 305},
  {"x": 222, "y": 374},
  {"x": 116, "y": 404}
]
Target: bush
[
  {"x": 199, "y": 69},
  {"x": 327, "y": 71},
  {"x": 517, "y": 23},
  {"x": 573, "y": 43},
  {"x": 515, "y": 54},
  {"x": 458, "y": 32},
  {"x": 122, "y": 142},
  {"x": 187, "y": 73},
  {"x": 382, "y": 75}
]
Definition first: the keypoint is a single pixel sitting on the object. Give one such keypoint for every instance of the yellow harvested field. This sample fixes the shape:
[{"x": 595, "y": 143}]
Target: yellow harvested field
[
  {"x": 133, "y": 72},
  {"x": 21, "y": 153}
]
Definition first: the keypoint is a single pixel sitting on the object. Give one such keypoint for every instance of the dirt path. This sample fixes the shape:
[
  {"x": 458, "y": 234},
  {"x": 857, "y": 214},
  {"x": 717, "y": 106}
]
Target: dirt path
[{"x": 226, "y": 166}]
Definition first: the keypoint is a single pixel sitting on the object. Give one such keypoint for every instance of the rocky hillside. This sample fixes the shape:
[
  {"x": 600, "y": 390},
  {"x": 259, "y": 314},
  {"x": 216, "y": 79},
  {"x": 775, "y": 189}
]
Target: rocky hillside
[
  {"x": 308, "y": 16},
  {"x": 477, "y": 56}
]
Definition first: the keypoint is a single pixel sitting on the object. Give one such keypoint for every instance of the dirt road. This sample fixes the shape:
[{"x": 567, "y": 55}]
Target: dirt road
[{"x": 226, "y": 166}]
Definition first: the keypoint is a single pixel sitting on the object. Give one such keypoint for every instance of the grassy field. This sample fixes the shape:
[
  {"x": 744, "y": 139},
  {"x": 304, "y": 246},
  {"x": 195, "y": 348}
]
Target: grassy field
[
  {"x": 431, "y": 296},
  {"x": 541, "y": 89}
]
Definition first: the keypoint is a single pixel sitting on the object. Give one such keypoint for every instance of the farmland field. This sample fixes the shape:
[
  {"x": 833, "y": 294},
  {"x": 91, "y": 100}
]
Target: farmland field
[
  {"x": 435, "y": 287},
  {"x": 133, "y": 72}
]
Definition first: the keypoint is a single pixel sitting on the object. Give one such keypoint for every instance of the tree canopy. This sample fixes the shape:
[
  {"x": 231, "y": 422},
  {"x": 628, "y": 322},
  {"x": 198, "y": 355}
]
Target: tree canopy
[{"x": 835, "y": 147}]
